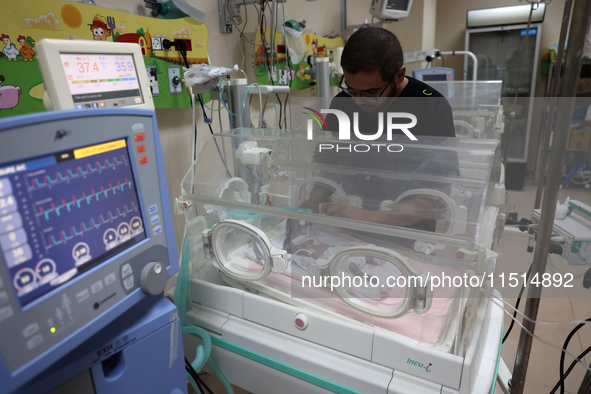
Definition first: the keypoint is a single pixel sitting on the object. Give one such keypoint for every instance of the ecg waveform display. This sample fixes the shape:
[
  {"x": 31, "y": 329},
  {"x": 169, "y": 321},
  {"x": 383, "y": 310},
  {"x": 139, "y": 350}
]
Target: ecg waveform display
[{"x": 65, "y": 213}]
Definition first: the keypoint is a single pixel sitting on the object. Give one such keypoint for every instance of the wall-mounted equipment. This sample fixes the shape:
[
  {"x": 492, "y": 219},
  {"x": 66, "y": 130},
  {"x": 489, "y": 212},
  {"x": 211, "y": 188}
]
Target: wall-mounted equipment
[
  {"x": 97, "y": 74},
  {"x": 390, "y": 9},
  {"x": 230, "y": 9}
]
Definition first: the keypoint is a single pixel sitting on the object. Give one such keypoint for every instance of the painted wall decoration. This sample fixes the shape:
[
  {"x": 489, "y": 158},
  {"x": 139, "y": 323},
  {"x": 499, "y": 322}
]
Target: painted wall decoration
[
  {"x": 298, "y": 66},
  {"x": 25, "y": 22}
]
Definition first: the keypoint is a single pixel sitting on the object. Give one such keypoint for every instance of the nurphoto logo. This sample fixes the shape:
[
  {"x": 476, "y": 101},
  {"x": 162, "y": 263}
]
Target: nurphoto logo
[{"x": 344, "y": 132}]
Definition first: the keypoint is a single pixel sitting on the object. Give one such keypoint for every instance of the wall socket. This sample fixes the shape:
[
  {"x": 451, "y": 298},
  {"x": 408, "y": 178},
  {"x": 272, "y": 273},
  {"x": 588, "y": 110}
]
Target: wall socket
[{"x": 174, "y": 74}]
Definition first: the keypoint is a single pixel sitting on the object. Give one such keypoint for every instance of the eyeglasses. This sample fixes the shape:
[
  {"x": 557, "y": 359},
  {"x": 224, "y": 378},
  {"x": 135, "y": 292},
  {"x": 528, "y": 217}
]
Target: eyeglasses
[{"x": 363, "y": 95}]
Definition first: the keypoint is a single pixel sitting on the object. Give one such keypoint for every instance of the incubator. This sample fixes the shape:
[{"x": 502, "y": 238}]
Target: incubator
[
  {"x": 323, "y": 265},
  {"x": 476, "y": 107}
]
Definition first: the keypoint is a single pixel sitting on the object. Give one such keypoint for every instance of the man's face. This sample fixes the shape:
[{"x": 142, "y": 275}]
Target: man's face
[{"x": 369, "y": 90}]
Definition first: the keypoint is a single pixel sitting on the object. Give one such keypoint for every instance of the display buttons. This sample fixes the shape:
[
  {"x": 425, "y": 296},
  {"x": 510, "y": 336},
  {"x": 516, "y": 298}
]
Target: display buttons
[
  {"x": 140, "y": 148},
  {"x": 96, "y": 287},
  {"x": 157, "y": 230},
  {"x": 139, "y": 137},
  {"x": 34, "y": 342},
  {"x": 30, "y": 330},
  {"x": 126, "y": 270},
  {"x": 110, "y": 279},
  {"x": 143, "y": 160},
  {"x": 153, "y": 208},
  {"x": 155, "y": 219},
  {"x": 5, "y": 313},
  {"x": 128, "y": 283},
  {"x": 136, "y": 128}
]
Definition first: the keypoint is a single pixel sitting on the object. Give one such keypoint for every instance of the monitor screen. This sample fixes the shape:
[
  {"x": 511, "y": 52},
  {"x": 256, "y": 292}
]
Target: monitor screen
[
  {"x": 64, "y": 213},
  {"x": 435, "y": 77},
  {"x": 398, "y": 5},
  {"x": 102, "y": 80}
]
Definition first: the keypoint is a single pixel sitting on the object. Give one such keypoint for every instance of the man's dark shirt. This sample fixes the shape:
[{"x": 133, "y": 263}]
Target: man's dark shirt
[
  {"x": 434, "y": 118},
  {"x": 433, "y": 112}
]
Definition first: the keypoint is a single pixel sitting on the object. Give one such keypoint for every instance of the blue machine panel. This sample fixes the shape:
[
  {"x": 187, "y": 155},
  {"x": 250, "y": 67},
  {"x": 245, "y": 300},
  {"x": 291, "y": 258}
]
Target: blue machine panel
[{"x": 84, "y": 210}]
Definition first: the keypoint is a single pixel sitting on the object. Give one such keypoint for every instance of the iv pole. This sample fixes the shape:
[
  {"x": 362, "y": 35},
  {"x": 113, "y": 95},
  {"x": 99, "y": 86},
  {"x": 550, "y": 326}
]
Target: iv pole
[{"x": 581, "y": 20}]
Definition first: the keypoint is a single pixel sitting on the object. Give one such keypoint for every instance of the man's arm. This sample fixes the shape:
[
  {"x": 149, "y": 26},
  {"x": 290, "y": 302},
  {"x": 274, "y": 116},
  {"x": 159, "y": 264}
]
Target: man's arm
[{"x": 403, "y": 214}]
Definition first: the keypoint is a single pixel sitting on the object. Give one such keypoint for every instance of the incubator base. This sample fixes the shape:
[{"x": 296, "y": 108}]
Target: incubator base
[{"x": 260, "y": 348}]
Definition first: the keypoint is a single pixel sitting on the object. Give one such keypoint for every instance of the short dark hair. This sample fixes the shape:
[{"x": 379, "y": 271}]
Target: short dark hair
[{"x": 372, "y": 49}]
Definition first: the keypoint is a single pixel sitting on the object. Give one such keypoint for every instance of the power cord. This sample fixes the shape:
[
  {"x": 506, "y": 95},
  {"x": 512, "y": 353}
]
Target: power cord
[{"x": 563, "y": 375}]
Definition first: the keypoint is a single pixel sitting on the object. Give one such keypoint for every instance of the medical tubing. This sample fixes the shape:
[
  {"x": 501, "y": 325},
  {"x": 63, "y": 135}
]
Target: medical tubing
[
  {"x": 243, "y": 99},
  {"x": 540, "y": 322},
  {"x": 180, "y": 299},
  {"x": 493, "y": 299},
  {"x": 182, "y": 282},
  {"x": 220, "y": 374},
  {"x": 203, "y": 353},
  {"x": 576, "y": 275}
]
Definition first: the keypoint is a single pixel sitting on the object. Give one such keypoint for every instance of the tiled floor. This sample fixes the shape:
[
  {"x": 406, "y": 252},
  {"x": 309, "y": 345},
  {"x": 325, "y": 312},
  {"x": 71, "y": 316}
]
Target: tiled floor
[
  {"x": 555, "y": 306},
  {"x": 559, "y": 305}
]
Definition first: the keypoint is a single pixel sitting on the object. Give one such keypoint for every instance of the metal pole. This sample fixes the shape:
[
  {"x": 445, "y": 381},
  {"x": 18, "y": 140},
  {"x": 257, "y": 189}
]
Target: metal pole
[
  {"x": 323, "y": 79},
  {"x": 237, "y": 103},
  {"x": 547, "y": 132},
  {"x": 574, "y": 55}
]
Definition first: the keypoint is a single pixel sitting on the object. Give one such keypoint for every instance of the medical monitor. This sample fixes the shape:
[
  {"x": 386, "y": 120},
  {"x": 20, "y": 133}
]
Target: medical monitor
[
  {"x": 434, "y": 74},
  {"x": 390, "y": 9},
  {"x": 85, "y": 229},
  {"x": 82, "y": 74}
]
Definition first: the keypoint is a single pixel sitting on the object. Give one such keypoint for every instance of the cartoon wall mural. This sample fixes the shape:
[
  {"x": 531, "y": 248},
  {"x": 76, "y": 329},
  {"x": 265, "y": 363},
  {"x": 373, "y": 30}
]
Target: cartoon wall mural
[
  {"x": 100, "y": 29},
  {"x": 8, "y": 95},
  {"x": 28, "y": 21}
]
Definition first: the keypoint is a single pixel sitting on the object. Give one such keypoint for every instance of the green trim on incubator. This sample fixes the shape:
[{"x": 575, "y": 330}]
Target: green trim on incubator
[
  {"x": 298, "y": 373},
  {"x": 494, "y": 385},
  {"x": 572, "y": 207}
]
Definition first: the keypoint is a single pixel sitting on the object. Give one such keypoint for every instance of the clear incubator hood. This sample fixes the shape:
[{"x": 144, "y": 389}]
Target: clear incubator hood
[{"x": 395, "y": 235}]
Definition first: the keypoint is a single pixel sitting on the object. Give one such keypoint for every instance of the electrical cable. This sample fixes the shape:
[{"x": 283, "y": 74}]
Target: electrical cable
[
  {"x": 516, "y": 307},
  {"x": 196, "y": 377},
  {"x": 191, "y": 371},
  {"x": 208, "y": 121},
  {"x": 280, "y": 109},
  {"x": 570, "y": 368},
  {"x": 564, "y": 347}
]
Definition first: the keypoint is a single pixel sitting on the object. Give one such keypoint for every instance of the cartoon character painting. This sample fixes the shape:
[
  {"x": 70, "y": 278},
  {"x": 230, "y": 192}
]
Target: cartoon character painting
[
  {"x": 9, "y": 50},
  {"x": 26, "y": 51},
  {"x": 102, "y": 27},
  {"x": 8, "y": 95}
]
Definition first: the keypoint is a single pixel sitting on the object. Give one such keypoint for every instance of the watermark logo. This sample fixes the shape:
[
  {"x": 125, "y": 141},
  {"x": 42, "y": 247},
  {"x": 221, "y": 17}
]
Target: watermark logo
[
  {"x": 344, "y": 130},
  {"x": 426, "y": 367},
  {"x": 318, "y": 118}
]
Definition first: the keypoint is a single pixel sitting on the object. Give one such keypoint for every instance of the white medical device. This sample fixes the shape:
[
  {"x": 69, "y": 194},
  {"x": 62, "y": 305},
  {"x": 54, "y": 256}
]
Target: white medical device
[
  {"x": 390, "y": 9},
  {"x": 97, "y": 74},
  {"x": 572, "y": 232},
  {"x": 434, "y": 74},
  {"x": 310, "y": 301}
]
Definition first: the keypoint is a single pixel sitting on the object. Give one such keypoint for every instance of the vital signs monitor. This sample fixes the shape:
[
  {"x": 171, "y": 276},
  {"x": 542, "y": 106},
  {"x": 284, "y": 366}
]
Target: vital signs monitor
[
  {"x": 80, "y": 74},
  {"x": 85, "y": 230}
]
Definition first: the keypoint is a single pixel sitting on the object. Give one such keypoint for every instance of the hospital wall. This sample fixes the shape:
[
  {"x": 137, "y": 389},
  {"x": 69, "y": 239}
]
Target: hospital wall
[{"x": 431, "y": 24}]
